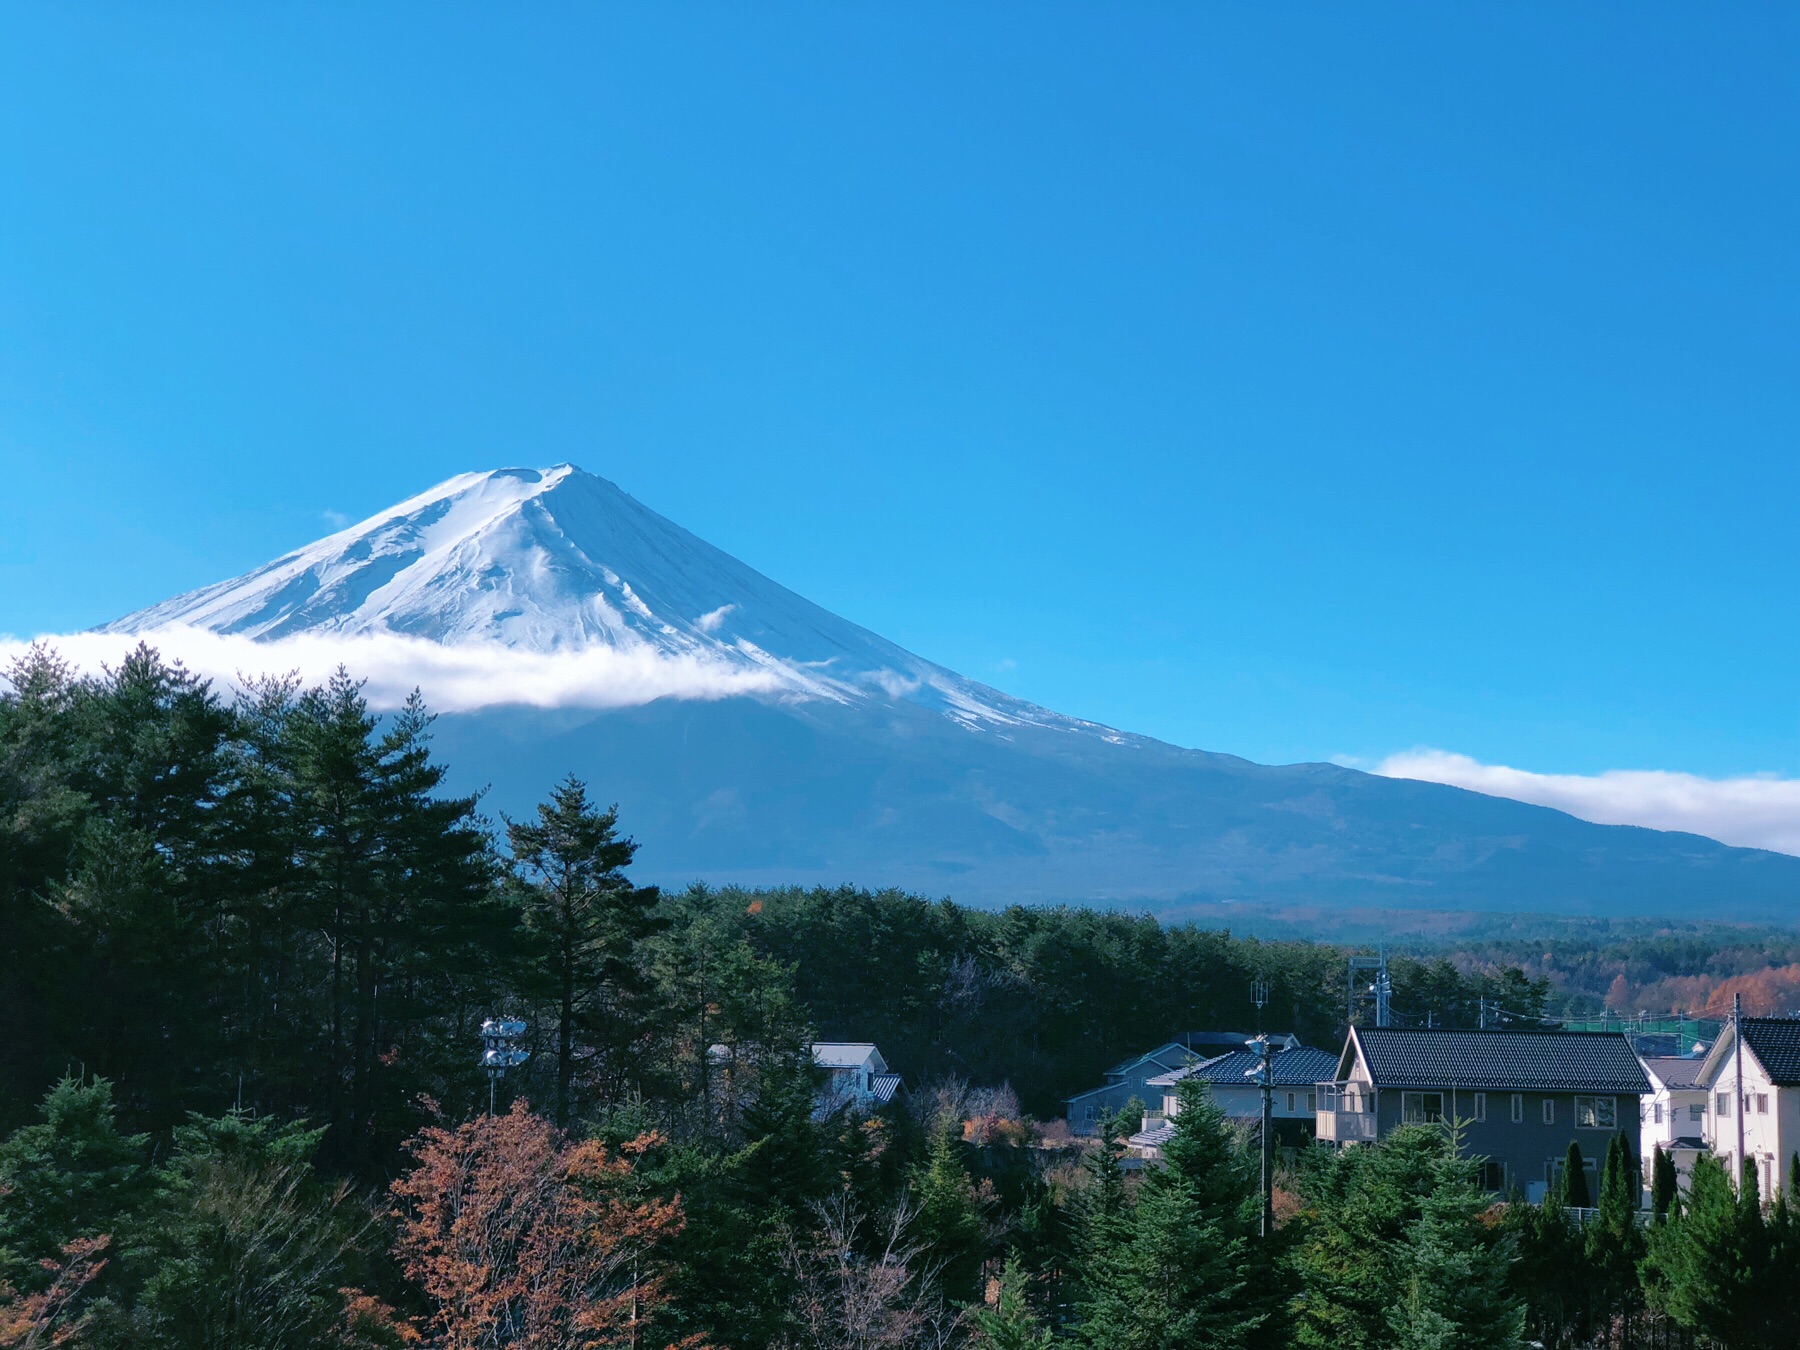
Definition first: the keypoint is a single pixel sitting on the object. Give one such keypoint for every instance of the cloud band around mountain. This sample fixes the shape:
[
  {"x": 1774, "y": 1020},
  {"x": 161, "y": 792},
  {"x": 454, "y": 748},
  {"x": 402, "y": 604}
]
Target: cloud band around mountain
[
  {"x": 1753, "y": 812},
  {"x": 458, "y": 678}
]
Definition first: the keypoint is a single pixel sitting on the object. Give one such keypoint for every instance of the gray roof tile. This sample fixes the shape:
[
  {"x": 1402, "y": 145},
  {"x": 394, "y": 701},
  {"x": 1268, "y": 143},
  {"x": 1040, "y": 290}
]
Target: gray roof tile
[
  {"x": 1776, "y": 1041},
  {"x": 1541, "y": 1061}
]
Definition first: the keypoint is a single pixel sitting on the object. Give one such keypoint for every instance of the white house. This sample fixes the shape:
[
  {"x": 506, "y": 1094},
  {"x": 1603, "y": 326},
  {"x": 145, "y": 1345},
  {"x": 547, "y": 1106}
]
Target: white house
[
  {"x": 1673, "y": 1117},
  {"x": 855, "y": 1076},
  {"x": 1752, "y": 1078}
]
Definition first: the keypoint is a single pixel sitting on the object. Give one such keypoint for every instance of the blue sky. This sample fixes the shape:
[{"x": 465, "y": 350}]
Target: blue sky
[{"x": 1298, "y": 381}]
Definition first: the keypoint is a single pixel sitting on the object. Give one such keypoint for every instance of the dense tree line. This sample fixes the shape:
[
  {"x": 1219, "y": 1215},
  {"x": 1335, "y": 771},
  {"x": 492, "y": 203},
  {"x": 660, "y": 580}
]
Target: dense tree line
[{"x": 246, "y": 944}]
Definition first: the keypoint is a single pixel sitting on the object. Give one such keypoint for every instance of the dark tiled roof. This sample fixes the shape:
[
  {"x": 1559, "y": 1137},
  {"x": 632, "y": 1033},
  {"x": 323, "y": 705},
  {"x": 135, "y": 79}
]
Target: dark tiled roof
[
  {"x": 1776, "y": 1041},
  {"x": 1540, "y": 1061},
  {"x": 1301, "y": 1066},
  {"x": 1676, "y": 1072}
]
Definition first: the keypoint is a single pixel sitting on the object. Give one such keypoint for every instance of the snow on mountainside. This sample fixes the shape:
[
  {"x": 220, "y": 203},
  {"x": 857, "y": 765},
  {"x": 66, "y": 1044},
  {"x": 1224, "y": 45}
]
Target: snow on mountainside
[{"x": 557, "y": 560}]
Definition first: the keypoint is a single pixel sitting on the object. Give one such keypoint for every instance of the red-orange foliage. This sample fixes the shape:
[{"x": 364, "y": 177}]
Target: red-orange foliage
[
  {"x": 524, "y": 1239},
  {"x": 28, "y": 1321}
]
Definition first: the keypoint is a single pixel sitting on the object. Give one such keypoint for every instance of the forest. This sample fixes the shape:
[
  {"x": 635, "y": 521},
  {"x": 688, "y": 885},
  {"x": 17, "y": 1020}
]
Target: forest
[{"x": 247, "y": 944}]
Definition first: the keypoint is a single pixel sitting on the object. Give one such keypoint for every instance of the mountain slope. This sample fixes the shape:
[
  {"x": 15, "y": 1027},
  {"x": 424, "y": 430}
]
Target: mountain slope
[{"x": 861, "y": 762}]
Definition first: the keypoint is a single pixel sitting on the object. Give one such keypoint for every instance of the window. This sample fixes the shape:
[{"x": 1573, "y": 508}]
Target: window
[
  {"x": 1596, "y": 1113},
  {"x": 1312, "y": 1101},
  {"x": 1518, "y": 1107},
  {"x": 1291, "y": 1101},
  {"x": 1549, "y": 1110},
  {"x": 1657, "y": 1110},
  {"x": 1493, "y": 1176},
  {"x": 1762, "y": 1106},
  {"x": 1421, "y": 1108},
  {"x": 1697, "y": 1111},
  {"x": 1481, "y": 1112},
  {"x": 1327, "y": 1098},
  {"x": 1722, "y": 1104}
]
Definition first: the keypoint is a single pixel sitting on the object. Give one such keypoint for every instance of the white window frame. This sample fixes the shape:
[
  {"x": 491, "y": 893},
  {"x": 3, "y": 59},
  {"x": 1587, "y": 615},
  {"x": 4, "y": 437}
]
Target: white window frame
[
  {"x": 1413, "y": 1109},
  {"x": 1480, "y": 1106},
  {"x": 1518, "y": 1108},
  {"x": 1656, "y": 1109},
  {"x": 1293, "y": 1102},
  {"x": 1762, "y": 1103},
  {"x": 1549, "y": 1110},
  {"x": 1596, "y": 1112},
  {"x": 1722, "y": 1106},
  {"x": 1696, "y": 1110}
]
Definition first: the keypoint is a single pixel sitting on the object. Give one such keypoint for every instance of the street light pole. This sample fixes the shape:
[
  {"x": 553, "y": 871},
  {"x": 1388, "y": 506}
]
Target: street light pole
[
  {"x": 1264, "y": 1077},
  {"x": 500, "y": 1051}
]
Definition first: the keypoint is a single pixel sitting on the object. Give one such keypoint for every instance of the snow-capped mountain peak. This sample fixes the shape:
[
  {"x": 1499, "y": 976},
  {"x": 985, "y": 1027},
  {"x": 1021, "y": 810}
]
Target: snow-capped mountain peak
[{"x": 557, "y": 560}]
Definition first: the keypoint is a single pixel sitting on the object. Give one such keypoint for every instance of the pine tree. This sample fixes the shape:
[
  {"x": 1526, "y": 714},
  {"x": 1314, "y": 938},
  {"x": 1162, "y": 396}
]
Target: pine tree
[
  {"x": 71, "y": 1176},
  {"x": 1709, "y": 1268},
  {"x": 947, "y": 1220},
  {"x": 1183, "y": 1266},
  {"x": 1456, "y": 1294},
  {"x": 1575, "y": 1194},
  {"x": 1665, "y": 1186},
  {"x": 590, "y": 922},
  {"x": 1010, "y": 1323},
  {"x": 1615, "y": 1244}
]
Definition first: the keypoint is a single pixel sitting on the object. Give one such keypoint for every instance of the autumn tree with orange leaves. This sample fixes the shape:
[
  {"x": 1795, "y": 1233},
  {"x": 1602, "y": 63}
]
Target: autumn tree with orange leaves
[{"x": 524, "y": 1239}]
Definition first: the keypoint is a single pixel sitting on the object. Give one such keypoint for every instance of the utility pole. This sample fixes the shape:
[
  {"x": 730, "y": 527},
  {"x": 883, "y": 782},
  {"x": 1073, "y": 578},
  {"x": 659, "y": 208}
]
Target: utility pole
[
  {"x": 1264, "y": 1077},
  {"x": 1737, "y": 1062}
]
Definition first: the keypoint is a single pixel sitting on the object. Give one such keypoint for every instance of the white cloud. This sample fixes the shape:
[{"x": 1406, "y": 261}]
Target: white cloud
[
  {"x": 709, "y": 622},
  {"x": 1756, "y": 812},
  {"x": 454, "y": 679},
  {"x": 336, "y": 519}
]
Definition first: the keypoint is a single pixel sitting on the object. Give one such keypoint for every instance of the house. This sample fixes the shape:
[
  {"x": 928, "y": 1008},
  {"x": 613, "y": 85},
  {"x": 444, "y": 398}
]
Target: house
[
  {"x": 1125, "y": 1082},
  {"x": 1296, "y": 1069},
  {"x": 855, "y": 1076},
  {"x": 1752, "y": 1078},
  {"x": 1520, "y": 1097},
  {"x": 1673, "y": 1117}
]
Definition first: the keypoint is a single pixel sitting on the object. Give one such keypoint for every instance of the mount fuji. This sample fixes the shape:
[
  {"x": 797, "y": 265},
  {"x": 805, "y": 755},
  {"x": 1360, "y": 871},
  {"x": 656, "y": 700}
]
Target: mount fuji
[{"x": 751, "y": 736}]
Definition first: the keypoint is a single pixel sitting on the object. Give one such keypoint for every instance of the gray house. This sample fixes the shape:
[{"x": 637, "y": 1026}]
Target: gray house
[
  {"x": 1520, "y": 1096},
  {"x": 1126, "y": 1081}
]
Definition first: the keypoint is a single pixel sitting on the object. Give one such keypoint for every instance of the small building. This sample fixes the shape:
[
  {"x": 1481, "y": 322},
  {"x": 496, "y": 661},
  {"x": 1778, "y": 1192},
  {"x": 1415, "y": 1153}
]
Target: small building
[
  {"x": 1125, "y": 1081},
  {"x": 855, "y": 1076},
  {"x": 1296, "y": 1070},
  {"x": 1755, "y": 1097},
  {"x": 1520, "y": 1097},
  {"x": 1673, "y": 1117}
]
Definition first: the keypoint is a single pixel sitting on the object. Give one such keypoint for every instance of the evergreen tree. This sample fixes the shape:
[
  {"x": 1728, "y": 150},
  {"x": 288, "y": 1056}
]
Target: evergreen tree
[
  {"x": 1359, "y": 1205},
  {"x": 1665, "y": 1186},
  {"x": 590, "y": 922},
  {"x": 1615, "y": 1243},
  {"x": 1456, "y": 1294},
  {"x": 1184, "y": 1267},
  {"x": 1575, "y": 1193},
  {"x": 73, "y": 1175},
  {"x": 947, "y": 1219},
  {"x": 1709, "y": 1268},
  {"x": 244, "y": 1248},
  {"x": 1550, "y": 1272},
  {"x": 1010, "y": 1323}
]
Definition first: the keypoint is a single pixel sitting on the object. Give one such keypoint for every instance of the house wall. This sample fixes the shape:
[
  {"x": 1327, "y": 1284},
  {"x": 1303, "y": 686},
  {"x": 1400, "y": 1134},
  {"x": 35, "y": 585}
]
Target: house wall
[
  {"x": 1085, "y": 1111},
  {"x": 1770, "y": 1137},
  {"x": 1529, "y": 1150},
  {"x": 1679, "y": 1119}
]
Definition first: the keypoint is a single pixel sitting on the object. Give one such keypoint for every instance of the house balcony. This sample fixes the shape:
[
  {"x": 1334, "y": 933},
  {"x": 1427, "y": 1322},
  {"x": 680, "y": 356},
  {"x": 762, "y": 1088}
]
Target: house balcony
[{"x": 1345, "y": 1116}]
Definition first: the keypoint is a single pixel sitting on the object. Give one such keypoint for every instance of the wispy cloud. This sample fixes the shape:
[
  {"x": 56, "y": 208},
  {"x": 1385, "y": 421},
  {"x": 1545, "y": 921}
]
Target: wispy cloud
[
  {"x": 454, "y": 679},
  {"x": 1758, "y": 812},
  {"x": 336, "y": 519}
]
